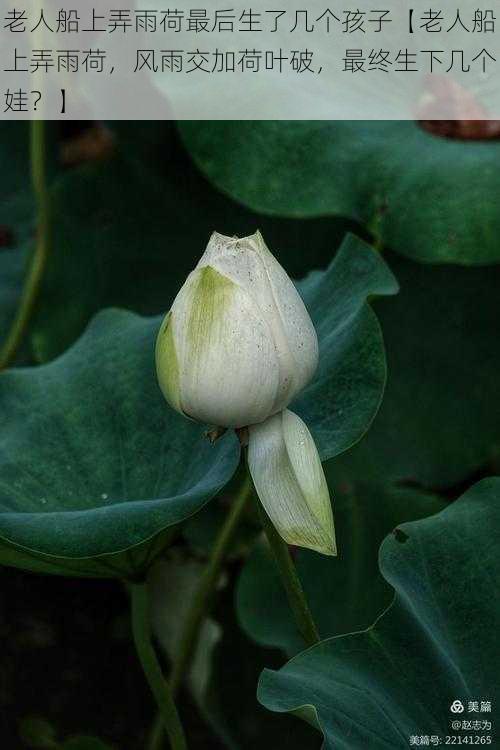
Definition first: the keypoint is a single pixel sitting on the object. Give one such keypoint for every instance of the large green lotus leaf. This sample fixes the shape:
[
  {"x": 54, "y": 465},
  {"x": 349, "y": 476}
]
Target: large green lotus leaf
[
  {"x": 345, "y": 394},
  {"x": 439, "y": 422},
  {"x": 130, "y": 228},
  {"x": 94, "y": 467},
  {"x": 345, "y": 593},
  {"x": 436, "y": 644},
  {"x": 429, "y": 198}
]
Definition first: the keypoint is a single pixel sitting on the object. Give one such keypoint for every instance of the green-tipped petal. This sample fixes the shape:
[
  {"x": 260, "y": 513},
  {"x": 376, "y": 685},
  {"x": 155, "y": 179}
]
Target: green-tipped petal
[
  {"x": 227, "y": 363},
  {"x": 290, "y": 482},
  {"x": 167, "y": 365}
]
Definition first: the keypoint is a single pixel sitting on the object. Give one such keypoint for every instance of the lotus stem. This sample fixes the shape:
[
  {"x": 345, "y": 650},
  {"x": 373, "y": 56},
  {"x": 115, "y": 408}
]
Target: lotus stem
[
  {"x": 38, "y": 262},
  {"x": 202, "y": 600},
  {"x": 141, "y": 626},
  {"x": 290, "y": 580}
]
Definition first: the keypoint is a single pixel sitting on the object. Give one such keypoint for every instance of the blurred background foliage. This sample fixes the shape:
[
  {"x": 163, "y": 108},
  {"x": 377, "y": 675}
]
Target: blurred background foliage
[{"x": 133, "y": 205}]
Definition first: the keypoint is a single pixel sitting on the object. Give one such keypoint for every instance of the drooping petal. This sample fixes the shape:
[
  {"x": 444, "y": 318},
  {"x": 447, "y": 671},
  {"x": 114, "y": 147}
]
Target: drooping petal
[
  {"x": 290, "y": 482},
  {"x": 228, "y": 368}
]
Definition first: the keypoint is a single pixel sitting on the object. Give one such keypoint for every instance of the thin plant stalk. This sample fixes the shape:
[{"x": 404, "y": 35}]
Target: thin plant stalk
[
  {"x": 290, "y": 580},
  {"x": 207, "y": 587},
  {"x": 141, "y": 626},
  {"x": 202, "y": 600},
  {"x": 38, "y": 262}
]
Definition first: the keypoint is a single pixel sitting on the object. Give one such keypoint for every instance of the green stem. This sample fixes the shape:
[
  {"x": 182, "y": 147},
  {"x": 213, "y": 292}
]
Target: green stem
[
  {"x": 38, "y": 263},
  {"x": 291, "y": 581},
  {"x": 141, "y": 626},
  {"x": 207, "y": 587},
  {"x": 202, "y": 600}
]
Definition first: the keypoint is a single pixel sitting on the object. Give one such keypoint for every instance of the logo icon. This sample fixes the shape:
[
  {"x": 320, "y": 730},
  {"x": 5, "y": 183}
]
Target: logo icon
[{"x": 457, "y": 707}]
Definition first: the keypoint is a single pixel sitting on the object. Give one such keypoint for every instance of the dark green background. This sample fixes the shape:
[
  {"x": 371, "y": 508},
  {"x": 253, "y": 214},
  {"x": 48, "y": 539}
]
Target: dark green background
[{"x": 127, "y": 228}]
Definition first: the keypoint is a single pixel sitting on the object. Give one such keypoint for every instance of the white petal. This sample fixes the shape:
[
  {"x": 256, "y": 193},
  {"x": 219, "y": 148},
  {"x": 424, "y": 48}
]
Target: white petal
[
  {"x": 249, "y": 263},
  {"x": 298, "y": 327},
  {"x": 290, "y": 482},
  {"x": 228, "y": 368}
]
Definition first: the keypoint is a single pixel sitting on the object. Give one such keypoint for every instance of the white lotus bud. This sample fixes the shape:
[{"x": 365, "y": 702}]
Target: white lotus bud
[
  {"x": 238, "y": 343},
  {"x": 290, "y": 482}
]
